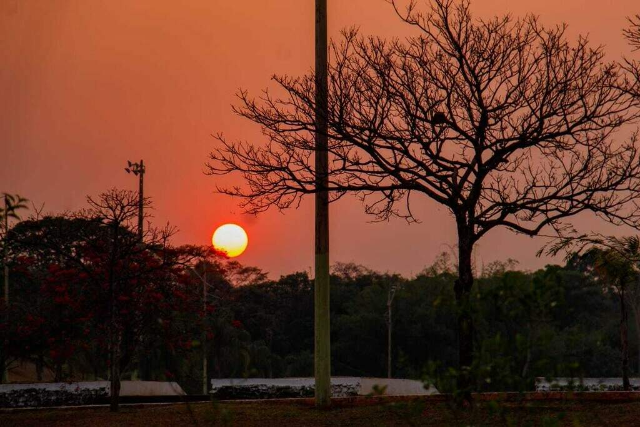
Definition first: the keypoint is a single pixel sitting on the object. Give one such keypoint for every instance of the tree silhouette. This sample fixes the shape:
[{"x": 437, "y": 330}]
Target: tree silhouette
[
  {"x": 504, "y": 122},
  {"x": 632, "y": 33}
]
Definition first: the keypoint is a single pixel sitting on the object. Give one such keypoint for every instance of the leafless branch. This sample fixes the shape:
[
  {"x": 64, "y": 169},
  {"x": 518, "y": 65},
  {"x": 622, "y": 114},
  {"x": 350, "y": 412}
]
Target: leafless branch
[{"x": 503, "y": 121}]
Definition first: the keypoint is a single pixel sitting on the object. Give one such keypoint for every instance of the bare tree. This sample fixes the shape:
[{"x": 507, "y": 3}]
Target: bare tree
[
  {"x": 632, "y": 33},
  {"x": 505, "y": 122}
]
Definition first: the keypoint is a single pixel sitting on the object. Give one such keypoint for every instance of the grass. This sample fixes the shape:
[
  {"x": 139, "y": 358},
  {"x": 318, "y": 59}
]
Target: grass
[{"x": 547, "y": 414}]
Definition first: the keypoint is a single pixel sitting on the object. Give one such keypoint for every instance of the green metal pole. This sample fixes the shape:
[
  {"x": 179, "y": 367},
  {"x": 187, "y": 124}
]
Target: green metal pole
[{"x": 322, "y": 322}]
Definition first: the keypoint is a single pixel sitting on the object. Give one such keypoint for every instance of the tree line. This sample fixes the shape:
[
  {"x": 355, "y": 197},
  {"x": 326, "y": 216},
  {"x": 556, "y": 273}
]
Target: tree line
[
  {"x": 89, "y": 301},
  {"x": 560, "y": 321}
]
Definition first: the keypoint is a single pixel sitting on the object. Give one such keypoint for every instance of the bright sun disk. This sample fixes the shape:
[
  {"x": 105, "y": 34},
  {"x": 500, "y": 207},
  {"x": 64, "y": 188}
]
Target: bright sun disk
[{"x": 231, "y": 239}]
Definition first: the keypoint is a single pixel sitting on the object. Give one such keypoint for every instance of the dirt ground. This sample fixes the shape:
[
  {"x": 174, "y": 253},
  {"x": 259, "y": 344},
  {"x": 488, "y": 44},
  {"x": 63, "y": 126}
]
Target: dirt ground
[{"x": 384, "y": 414}]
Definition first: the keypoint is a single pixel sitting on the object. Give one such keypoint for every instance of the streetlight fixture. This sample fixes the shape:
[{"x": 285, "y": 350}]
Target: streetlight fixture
[{"x": 138, "y": 169}]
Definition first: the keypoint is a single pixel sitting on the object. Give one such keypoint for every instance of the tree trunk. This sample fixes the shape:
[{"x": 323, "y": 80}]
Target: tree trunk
[
  {"x": 527, "y": 361},
  {"x": 114, "y": 373},
  {"x": 114, "y": 377},
  {"x": 389, "y": 319},
  {"x": 637, "y": 318},
  {"x": 58, "y": 374},
  {"x": 462, "y": 289},
  {"x": 624, "y": 340},
  {"x": 39, "y": 366}
]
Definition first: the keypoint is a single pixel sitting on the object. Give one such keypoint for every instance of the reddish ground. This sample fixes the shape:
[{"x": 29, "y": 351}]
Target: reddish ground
[{"x": 282, "y": 414}]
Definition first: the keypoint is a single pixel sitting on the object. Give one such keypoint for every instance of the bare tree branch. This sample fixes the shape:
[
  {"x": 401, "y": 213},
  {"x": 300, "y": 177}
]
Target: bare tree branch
[{"x": 503, "y": 121}]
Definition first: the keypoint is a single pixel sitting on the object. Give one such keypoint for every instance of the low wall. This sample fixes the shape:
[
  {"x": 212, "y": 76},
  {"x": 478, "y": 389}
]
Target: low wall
[
  {"x": 395, "y": 387},
  {"x": 78, "y": 393},
  {"x": 52, "y": 394},
  {"x": 585, "y": 384},
  {"x": 279, "y": 388},
  {"x": 151, "y": 388}
]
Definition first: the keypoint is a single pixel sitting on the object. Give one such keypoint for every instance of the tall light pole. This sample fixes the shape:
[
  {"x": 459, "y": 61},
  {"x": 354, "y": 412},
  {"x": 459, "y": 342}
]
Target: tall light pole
[
  {"x": 321, "y": 289},
  {"x": 138, "y": 169}
]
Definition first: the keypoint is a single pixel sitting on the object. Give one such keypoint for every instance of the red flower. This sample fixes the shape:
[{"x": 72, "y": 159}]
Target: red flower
[
  {"x": 237, "y": 324},
  {"x": 179, "y": 294},
  {"x": 157, "y": 296}
]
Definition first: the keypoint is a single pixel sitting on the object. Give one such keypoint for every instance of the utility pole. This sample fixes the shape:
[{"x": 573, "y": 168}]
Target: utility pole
[
  {"x": 390, "y": 296},
  {"x": 205, "y": 386},
  {"x": 205, "y": 296},
  {"x": 321, "y": 289},
  {"x": 5, "y": 371},
  {"x": 138, "y": 169}
]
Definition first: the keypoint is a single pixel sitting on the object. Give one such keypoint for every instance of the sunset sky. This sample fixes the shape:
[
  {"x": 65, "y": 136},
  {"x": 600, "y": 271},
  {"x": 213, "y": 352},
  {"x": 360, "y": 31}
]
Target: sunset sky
[{"x": 86, "y": 85}]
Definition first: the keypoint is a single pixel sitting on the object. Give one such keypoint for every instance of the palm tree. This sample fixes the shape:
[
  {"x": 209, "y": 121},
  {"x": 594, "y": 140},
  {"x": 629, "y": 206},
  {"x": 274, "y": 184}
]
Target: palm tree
[
  {"x": 12, "y": 204},
  {"x": 616, "y": 270},
  {"x": 615, "y": 261}
]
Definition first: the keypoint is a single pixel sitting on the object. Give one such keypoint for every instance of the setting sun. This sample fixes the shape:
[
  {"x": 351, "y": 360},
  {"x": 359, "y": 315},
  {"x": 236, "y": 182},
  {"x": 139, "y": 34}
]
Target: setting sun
[{"x": 230, "y": 239}]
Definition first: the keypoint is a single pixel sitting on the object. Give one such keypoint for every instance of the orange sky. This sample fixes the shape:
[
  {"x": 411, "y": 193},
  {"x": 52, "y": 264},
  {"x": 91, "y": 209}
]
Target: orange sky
[{"x": 87, "y": 84}]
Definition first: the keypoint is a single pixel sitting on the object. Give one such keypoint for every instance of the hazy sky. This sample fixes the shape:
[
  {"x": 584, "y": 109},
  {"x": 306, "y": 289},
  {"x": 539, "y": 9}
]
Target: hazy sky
[{"x": 86, "y": 85}]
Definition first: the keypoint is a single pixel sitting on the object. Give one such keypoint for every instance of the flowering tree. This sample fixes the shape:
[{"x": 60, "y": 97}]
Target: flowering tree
[{"x": 103, "y": 284}]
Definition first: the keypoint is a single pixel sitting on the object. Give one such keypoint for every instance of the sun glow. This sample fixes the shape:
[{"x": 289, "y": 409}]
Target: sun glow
[{"x": 230, "y": 239}]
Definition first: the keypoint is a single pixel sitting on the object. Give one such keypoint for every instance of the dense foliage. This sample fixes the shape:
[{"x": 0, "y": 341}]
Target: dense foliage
[
  {"x": 174, "y": 304},
  {"x": 557, "y": 321}
]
